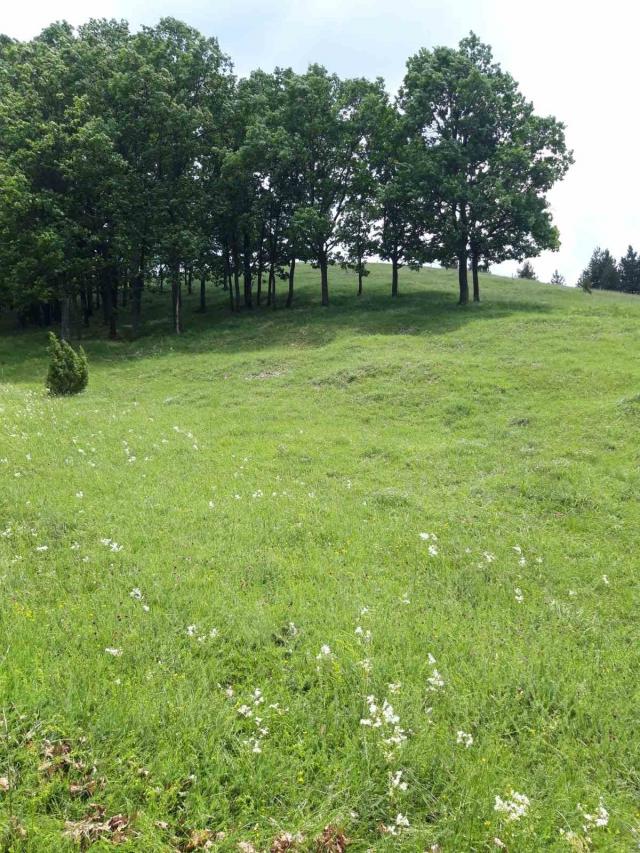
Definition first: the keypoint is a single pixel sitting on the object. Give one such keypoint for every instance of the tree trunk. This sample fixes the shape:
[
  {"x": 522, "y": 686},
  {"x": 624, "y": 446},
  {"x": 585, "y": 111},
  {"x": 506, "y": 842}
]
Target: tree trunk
[
  {"x": 246, "y": 260},
  {"x": 260, "y": 262},
  {"x": 474, "y": 271},
  {"x": 203, "y": 293},
  {"x": 463, "y": 279},
  {"x": 105, "y": 299},
  {"x": 65, "y": 317},
  {"x": 190, "y": 281},
  {"x": 394, "y": 275},
  {"x": 109, "y": 287},
  {"x": 161, "y": 275},
  {"x": 89, "y": 294},
  {"x": 324, "y": 277},
  {"x": 84, "y": 305},
  {"x": 113, "y": 331},
  {"x": 292, "y": 270},
  {"x": 273, "y": 285},
  {"x": 235, "y": 260},
  {"x": 359, "y": 281},
  {"x": 227, "y": 277},
  {"x": 176, "y": 297},
  {"x": 136, "y": 296}
]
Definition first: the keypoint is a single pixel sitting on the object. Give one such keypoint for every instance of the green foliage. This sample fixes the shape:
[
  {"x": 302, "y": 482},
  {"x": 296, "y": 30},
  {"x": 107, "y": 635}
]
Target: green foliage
[
  {"x": 602, "y": 271},
  {"x": 584, "y": 282},
  {"x": 557, "y": 278},
  {"x": 527, "y": 271},
  {"x": 488, "y": 159},
  {"x": 122, "y": 153},
  {"x": 629, "y": 271},
  {"x": 68, "y": 369}
]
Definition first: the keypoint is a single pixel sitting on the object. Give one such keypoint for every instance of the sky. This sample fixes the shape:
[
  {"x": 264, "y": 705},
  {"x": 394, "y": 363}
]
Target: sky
[{"x": 575, "y": 59}]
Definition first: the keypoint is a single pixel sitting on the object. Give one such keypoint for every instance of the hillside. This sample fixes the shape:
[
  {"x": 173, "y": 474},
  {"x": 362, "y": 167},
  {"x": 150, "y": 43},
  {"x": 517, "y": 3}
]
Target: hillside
[{"x": 194, "y": 551}]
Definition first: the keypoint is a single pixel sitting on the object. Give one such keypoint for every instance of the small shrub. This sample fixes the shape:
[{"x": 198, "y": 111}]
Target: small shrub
[{"x": 68, "y": 370}]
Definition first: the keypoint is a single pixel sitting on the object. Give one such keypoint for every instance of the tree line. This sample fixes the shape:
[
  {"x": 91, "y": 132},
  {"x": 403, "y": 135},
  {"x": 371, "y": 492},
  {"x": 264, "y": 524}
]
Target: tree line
[
  {"x": 603, "y": 272},
  {"x": 132, "y": 157}
]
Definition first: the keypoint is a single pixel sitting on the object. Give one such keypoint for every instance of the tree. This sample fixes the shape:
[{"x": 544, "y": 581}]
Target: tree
[
  {"x": 584, "y": 282},
  {"x": 189, "y": 77},
  {"x": 68, "y": 371},
  {"x": 394, "y": 164},
  {"x": 128, "y": 157},
  {"x": 527, "y": 271},
  {"x": 601, "y": 271},
  {"x": 327, "y": 119},
  {"x": 490, "y": 159},
  {"x": 629, "y": 271},
  {"x": 556, "y": 278}
]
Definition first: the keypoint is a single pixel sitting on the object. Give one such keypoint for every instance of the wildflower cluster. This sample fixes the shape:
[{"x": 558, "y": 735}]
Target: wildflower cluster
[
  {"x": 514, "y": 807},
  {"x": 435, "y": 681},
  {"x": 385, "y": 718}
]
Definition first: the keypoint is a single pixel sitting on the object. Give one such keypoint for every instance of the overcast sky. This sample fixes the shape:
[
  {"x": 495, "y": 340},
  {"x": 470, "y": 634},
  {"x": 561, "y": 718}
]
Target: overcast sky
[{"x": 575, "y": 59}]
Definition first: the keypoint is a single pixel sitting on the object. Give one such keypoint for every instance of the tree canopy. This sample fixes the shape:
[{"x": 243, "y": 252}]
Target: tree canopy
[{"x": 127, "y": 158}]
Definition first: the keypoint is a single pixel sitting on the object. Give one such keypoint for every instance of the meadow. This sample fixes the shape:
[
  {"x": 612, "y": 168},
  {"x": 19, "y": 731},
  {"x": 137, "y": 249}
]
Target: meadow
[{"x": 356, "y": 578}]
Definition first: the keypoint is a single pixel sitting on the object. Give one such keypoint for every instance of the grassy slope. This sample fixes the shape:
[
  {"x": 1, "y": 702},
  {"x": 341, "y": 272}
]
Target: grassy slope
[{"x": 327, "y": 440}]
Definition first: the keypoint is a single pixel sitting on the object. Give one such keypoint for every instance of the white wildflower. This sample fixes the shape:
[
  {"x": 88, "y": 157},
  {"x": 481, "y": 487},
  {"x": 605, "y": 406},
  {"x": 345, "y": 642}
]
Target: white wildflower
[
  {"x": 114, "y": 652},
  {"x": 324, "y": 653},
  {"x": 435, "y": 681},
  {"x": 396, "y": 782},
  {"x": 514, "y": 807},
  {"x": 598, "y": 819},
  {"x": 464, "y": 738},
  {"x": 518, "y": 595}
]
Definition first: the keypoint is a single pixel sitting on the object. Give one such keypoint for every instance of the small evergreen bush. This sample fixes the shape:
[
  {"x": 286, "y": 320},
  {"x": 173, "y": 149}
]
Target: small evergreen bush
[{"x": 68, "y": 370}]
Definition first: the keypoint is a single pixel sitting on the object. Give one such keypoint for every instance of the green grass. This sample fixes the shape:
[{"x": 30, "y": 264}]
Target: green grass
[{"x": 277, "y": 469}]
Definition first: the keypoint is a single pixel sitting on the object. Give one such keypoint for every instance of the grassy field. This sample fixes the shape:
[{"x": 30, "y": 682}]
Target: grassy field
[{"x": 222, "y": 619}]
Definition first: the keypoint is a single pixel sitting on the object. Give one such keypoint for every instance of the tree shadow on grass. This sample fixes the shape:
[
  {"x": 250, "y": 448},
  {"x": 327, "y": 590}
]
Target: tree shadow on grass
[{"x": 425, "y": 307}]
